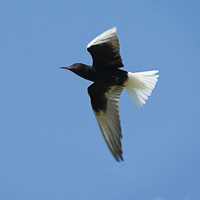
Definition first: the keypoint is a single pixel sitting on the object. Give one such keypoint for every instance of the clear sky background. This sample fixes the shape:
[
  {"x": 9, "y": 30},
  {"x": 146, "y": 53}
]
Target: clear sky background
[{"x": 50, "y": 144}]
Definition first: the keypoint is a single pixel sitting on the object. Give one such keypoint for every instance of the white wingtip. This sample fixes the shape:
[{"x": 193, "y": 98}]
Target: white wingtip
[
  {"x": 140, "y": 85},
  {"x": 104, "y": 37}
]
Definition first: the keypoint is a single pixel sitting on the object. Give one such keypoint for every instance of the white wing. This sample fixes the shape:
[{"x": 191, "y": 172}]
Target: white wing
[
  {"x": 105, "y": 50},
  {"x": 104, "y": 37}
]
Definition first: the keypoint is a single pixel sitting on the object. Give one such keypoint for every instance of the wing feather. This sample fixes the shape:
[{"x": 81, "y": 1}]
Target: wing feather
[
  {"x": 105, "y": 50},
  {"x": 107, "y": 115}
]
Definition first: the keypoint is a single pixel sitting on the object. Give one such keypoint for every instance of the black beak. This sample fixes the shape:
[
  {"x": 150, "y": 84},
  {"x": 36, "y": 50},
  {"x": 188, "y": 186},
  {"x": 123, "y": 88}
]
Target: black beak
[{"x": 66, "y": 68}]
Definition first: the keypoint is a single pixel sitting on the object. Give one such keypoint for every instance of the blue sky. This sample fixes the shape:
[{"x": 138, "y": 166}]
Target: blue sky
[{"x": 50, "y": 143}]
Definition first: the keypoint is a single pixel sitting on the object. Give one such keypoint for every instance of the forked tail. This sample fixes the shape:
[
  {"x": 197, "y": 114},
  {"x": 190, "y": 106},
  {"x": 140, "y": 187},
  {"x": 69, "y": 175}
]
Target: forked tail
[{"x": 140, "y": 85}]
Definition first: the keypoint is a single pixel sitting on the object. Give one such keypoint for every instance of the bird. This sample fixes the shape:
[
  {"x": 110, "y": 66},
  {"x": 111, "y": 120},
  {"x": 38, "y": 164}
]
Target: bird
[{"x": 108, "y": 83}]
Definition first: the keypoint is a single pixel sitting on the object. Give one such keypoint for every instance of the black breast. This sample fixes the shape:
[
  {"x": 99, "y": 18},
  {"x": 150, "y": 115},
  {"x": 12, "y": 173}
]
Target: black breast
[{"x": 109, "y": 76}]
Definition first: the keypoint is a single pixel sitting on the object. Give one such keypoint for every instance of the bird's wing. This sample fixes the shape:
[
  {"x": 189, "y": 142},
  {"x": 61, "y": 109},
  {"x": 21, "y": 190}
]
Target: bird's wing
[
  {"x": 105, "y": 49},
  {"x": 105, "y": 104}
]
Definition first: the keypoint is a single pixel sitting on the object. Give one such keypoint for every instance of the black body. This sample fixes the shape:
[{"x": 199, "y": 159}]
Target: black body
[
  {"x": 102, "y": 75},
  {"x": 107, "y": 87}
]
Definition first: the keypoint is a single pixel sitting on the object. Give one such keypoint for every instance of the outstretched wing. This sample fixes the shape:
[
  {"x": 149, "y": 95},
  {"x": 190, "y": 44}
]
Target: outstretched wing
[
  {"x": 105, "y": 50},
  {"x": 105, "y": 104}
]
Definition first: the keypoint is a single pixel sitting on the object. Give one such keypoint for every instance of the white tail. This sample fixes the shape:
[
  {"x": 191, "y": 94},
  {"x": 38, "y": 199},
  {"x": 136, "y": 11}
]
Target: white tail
[{"x": 140, "y": 85}]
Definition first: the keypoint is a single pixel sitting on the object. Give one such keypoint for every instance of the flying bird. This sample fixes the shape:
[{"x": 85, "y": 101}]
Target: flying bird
[{"x": 108, "y": 83}]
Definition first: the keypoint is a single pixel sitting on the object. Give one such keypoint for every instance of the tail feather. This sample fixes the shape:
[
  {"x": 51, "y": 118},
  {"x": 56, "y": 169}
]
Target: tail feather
[{"x": 140, "y": 85}]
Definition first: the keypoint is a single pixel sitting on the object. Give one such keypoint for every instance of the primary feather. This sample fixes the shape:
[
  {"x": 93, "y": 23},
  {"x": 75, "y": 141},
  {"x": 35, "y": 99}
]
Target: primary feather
[{"x": 104, "y": 37}]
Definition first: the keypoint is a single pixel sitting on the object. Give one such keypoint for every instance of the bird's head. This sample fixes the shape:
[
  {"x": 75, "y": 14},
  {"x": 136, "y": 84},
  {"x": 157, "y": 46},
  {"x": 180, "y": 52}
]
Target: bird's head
[
  {"x": 79, "y": 69},
  {"x": 75, "y": 67}
]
